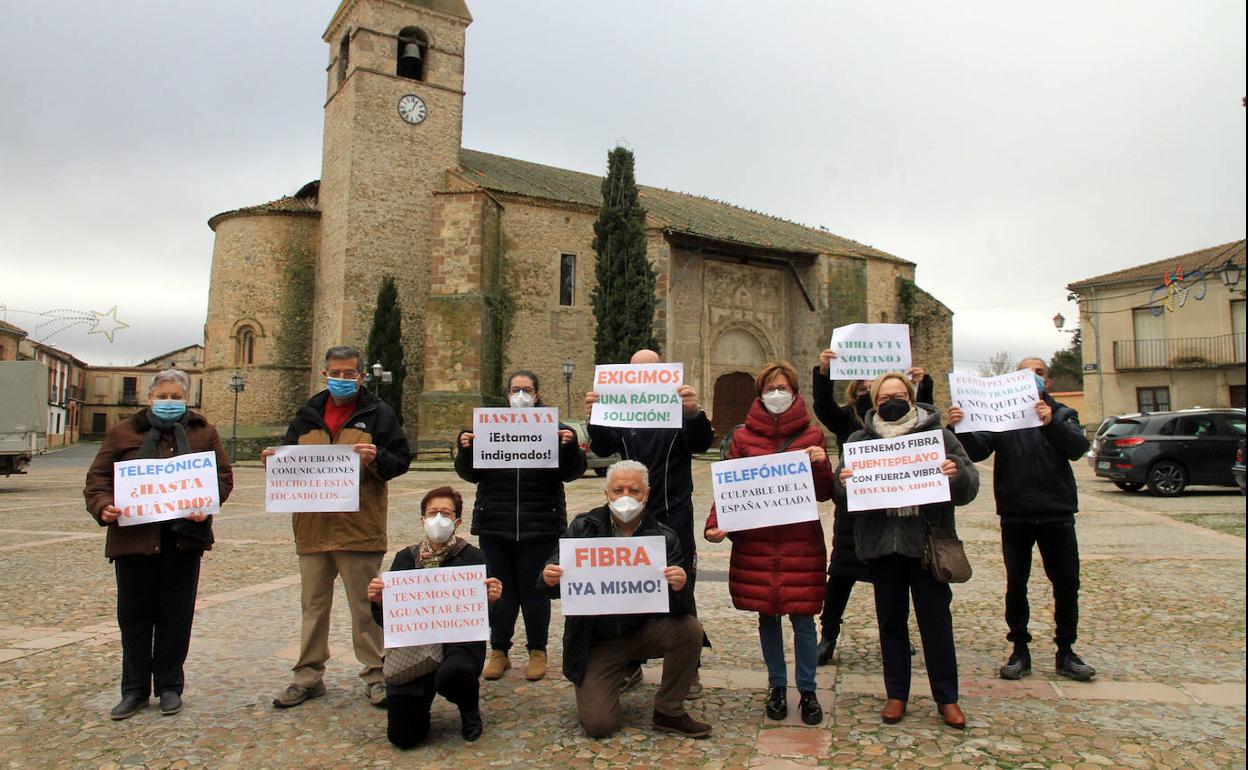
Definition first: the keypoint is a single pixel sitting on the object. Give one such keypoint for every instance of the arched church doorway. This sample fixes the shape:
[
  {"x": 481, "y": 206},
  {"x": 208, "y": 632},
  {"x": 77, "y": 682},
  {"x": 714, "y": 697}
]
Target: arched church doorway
[{"x": 734, "y": 392}]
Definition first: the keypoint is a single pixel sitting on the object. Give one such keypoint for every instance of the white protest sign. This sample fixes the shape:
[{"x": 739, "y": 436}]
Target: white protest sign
[
  {"x": 896, "y": 472},
  {"x": 316, "y": 478},
  {"x": 515, "y": 438},
  {"x": 613, "y": 575},
  {"x": 865, "y": 351},
  {"x": 638, "y": 395},
  {"x": 995, "y": 404},
  {"x": 754, "y": 492},
  {"x": 435, "y": 605},
  {"x": 164, "y": 488}
]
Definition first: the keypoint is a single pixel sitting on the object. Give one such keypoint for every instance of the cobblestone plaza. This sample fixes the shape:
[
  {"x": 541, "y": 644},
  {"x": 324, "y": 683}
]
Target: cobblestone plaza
[{"x": 1162, "y": 620}]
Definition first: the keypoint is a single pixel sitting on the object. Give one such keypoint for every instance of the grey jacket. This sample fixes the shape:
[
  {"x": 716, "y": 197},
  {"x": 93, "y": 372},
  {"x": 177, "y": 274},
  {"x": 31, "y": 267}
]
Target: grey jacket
[{"x": 881, "y": 532}]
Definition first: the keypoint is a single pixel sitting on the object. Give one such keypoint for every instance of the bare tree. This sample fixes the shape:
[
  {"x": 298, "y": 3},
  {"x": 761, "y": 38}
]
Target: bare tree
[{"x": 1000, "y": 363}]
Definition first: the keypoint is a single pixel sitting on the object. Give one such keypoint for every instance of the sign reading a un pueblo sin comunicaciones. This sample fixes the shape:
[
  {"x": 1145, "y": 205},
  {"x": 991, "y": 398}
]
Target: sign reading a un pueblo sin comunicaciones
[
  {"x": 515, "y": 438},
  {"x": 755, "y": 492},
  {"x": 638, "y": 395}
]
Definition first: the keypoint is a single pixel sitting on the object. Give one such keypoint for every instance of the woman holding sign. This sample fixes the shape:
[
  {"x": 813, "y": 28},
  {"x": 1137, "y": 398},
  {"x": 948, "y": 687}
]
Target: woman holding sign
[
  {"x": 779, "y": 570},
  {"x": 518, "y": 517},
  {"x": 156, "y": 564},
  {"x": 891, "y": 541},
  {"x": 409, "y": 704}
]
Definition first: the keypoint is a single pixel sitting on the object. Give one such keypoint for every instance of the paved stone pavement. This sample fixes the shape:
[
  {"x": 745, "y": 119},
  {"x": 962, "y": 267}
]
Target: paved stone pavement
[{"x": 1162, "y": 620}]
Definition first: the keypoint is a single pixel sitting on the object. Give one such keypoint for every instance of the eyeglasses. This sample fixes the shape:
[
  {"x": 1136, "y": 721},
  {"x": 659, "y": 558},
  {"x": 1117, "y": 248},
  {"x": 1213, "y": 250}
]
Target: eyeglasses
[
  {"x": 450, "y": 514},
  {"x": 343, "y": 374},
  {"x": 530, "y": 391},
  {"x": 883, "y": 401}
]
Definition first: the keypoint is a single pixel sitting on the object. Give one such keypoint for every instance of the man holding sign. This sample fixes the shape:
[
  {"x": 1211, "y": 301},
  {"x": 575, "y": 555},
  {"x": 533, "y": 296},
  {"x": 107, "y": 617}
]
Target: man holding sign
[
  {"x": 1037, "y": 500},
  {"x": 335, "y": 543},
  {"x": 598, "y": 650}
]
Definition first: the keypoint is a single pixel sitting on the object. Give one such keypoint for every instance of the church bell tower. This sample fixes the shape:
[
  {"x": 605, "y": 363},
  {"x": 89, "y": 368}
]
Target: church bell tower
[{"x": 393, "y": 124}]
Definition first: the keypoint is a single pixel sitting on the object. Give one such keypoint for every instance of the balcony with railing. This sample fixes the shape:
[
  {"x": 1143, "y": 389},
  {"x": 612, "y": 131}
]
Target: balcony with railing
[{"x": 1180, "y": 353}]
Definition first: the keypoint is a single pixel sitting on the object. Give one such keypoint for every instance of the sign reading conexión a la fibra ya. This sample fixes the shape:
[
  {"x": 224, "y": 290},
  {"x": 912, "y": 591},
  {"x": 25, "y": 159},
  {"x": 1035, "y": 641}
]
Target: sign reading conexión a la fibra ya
[
  {"x": 995, "y": 404},
  {"x": 165, "y": 488},
  {"x": 896, "y": 472},
  {"x": 613, "y": 575},
  {"x": 638, "y": 395},
  {"x": 515, "y": 438},
  {"x": 755, "y": 492},
  {"x": 435, "y": 605},
  {"x": 865, "y": 351}
]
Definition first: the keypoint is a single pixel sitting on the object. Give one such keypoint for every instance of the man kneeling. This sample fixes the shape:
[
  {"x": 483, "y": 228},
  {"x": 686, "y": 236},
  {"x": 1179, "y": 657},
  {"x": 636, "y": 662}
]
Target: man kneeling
[{"x": 597, "y": 649}]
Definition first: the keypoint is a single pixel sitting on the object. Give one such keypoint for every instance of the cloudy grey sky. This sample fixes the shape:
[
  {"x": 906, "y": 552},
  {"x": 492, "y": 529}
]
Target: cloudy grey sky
[{"x": 1008, "y": 149}]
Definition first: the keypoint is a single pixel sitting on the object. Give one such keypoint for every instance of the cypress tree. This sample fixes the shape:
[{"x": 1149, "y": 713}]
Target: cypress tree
[
  {"x": 385, "y": 344},
  {"x": 623, "y": 299}
]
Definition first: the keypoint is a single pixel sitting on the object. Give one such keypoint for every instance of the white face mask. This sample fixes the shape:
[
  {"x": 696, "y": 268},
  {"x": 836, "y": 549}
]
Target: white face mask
[
  {"x": 521, "y": 400},
  {"x": 439, "y": 529},
  {"x": 626, "y": 508},
  {"x": 777, "y": 401}
]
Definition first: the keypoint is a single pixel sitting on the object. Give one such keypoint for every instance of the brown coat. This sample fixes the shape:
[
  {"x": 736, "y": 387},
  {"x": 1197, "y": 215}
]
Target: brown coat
[{"x": 122, "y": 442}]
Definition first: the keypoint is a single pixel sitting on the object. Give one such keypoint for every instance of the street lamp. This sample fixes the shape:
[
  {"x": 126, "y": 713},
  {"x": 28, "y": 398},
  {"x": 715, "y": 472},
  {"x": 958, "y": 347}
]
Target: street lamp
[
  {"x": 236, "y": 385},
  {"x": 568, "y": 366},
  {"x": 1230, "y": 273},
  {"x": 380, "y": 377},
  {"x": 1059, "y": 321}
]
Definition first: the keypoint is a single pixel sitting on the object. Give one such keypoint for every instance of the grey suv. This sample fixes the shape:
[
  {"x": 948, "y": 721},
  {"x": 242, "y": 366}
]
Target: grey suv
[{"x": 1169, "y": 451}]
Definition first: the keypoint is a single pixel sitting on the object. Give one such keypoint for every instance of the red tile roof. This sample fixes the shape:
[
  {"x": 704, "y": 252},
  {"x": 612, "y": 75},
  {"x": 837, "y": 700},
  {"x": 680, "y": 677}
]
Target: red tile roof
[{"x": 1207, "y": 260}]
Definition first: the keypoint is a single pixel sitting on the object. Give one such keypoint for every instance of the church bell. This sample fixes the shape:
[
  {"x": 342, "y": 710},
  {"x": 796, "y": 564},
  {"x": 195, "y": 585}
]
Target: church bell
[{"x": 410, "y": 54}]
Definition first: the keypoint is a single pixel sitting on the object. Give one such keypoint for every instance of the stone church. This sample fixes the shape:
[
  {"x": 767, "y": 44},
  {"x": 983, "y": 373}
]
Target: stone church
[{"x": 493, "y": 258}]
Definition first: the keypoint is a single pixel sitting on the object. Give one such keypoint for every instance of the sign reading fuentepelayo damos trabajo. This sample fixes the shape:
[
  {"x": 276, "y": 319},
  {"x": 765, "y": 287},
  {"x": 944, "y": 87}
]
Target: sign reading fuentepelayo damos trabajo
[
  {"x": 638, "y": 395},
  {"x": 515, "y": 438},
  {"x": 161, "y": 489},
  {"x": 896, "y": 472},
  {"x": 439, "y": 604},
  {"x": 995, "y": 404}
]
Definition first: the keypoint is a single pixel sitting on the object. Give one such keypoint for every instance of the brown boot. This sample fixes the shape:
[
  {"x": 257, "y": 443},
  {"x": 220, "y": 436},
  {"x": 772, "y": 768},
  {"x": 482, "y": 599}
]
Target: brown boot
[
  {"x": 952, "y": 714},
  {"x": 537, "y": 665},
  {"x": 893, "y": 711},
  {"x": 496, "y": 665},
  {"x": 682, "y": 725}
]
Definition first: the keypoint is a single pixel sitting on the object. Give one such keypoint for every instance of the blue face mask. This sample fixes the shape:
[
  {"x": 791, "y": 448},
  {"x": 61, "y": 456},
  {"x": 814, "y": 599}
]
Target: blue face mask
[
  {"x": 1039, "y": 383},
  {"x": 169, "y": 408},
  {"x": 340, "y": 388}
]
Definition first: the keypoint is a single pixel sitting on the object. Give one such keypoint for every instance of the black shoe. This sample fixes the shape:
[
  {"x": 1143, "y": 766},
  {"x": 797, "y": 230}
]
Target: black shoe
[
  {"x": 170, "y": 703},
  {"x": 1018, "y": 666},
  {"x": 827, "y": 646},
  {"x": 812, "y": 712},
  {"x": 470, "y": 725},
  {"x": 1071, "y": 666},
  {"x": 129, "y": 705},
  {"x": 778, "y": 703}
]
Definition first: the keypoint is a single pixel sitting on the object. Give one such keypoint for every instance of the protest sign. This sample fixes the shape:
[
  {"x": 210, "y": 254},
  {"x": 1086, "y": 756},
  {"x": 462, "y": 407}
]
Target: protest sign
[
  {"x": 896, "y": 472},
  {"x": 638, "y": 395},
  {"x": 317, "y": 478},
  {"x": 995, "y": 404},
  {"x": 865, "y": 351},
  {"x": 754, "y": 492},
  {"x": 515, "y": 438},
  {"x": 164, "y": 488},
  {"x": 613, "y": 575},
  {"x": 435, "y": 605}
]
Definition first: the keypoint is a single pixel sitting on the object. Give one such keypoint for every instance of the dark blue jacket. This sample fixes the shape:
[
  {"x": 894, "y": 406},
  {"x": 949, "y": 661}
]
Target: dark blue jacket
[{"x": 1031, "y": 477}]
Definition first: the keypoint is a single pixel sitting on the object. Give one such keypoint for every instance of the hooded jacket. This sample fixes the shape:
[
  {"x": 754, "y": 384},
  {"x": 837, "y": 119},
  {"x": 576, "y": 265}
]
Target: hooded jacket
[
  {"x": 122, "y": 442},
  {"x": 882, "y": 532},
  {"x": 1031, "y": 478},
  {"x": 580, "y": 631},
  {"x": 778, "y": 570},
  {"x": 372, "y": 422}
]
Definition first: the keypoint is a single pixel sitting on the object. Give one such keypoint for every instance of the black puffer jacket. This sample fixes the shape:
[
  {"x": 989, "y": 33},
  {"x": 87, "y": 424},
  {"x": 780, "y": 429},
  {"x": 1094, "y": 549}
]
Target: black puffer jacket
[
  {"x": 579, "y": 631},
  {"x": 521, "y": 504},
  {"x": 1031, "y": 478}
]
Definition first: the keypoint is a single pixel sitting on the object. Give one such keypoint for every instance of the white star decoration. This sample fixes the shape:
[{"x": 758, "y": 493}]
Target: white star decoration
[{"x": 107, "y": 323}]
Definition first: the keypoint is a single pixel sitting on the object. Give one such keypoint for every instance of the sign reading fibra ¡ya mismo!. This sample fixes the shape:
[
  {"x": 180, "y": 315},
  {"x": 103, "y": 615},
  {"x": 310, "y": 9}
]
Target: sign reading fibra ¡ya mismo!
[{"x": 613, "y": 575}]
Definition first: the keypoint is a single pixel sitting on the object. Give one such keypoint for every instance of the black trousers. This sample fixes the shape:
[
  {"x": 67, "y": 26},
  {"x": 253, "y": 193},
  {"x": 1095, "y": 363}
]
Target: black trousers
[
  {"x": 896, "y": 579},
  {"x": 835, "y": 600},
  {"x": 155, "y": 609},
  {"x": 518, "y": 565},
  {"x": 407, "y": 715},
  {"x": 1059, "y": 551}
]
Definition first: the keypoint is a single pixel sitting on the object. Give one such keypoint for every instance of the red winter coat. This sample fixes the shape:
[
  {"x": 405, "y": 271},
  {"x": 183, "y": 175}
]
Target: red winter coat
[{"x": 779, "y": 570}]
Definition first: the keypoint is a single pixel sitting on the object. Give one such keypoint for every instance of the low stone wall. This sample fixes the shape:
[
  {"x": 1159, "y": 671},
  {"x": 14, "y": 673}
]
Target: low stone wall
[{"x": 250, "y": 448}]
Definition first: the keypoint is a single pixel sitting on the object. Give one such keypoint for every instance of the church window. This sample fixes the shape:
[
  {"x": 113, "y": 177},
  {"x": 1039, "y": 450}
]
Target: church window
[
  {"x": 567, "y": 279},
  {"x": 344, "y": 57},
  {"x": 413, "y": 50},
  {"x": 245, "y": 348}
]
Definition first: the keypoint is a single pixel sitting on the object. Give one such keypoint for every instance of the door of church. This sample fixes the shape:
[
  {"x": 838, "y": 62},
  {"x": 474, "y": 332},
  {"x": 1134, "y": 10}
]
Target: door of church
[{"x": 734, "y": 392}]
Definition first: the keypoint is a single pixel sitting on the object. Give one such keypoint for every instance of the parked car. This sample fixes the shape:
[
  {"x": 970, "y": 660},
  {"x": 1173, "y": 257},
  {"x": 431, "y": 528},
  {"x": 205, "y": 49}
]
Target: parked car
[
  {"x": 1105, "y": 425},
  {"x": 1170, "y": 451},
  {"x": 595, "y": 463},
  {"x": 1237, "y": 470}
]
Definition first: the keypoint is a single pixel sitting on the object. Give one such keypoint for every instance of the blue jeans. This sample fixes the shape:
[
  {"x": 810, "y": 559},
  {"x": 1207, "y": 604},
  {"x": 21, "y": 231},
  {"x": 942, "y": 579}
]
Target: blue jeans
[{"x": 805, "y": 649}]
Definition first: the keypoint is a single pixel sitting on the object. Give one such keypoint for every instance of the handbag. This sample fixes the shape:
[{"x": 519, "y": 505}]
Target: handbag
[
  {"x": 402, "y": 665},
  {"x": 945, "y": 557}
]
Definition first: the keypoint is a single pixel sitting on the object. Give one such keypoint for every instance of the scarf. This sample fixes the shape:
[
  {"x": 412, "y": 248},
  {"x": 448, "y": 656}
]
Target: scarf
[
  {"x": 892, "y": 430},
  {"x": 429, "y": 558},
  {"x": 182, "y": 445}
]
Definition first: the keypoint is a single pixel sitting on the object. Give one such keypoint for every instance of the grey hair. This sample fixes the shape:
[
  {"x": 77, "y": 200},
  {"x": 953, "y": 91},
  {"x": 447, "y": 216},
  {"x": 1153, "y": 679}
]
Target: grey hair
[
  {"x": 628, "y": 465},
  {"x": 343, "y": 352},
  {"x": 171, "y": 375}
]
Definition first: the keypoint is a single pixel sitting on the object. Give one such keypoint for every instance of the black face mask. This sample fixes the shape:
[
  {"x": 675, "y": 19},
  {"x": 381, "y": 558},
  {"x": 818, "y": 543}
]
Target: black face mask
[
  {"x": 863, "y": 404},
  {"x": 893, "y": 409}
]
